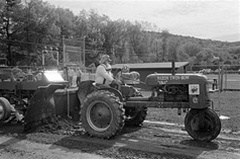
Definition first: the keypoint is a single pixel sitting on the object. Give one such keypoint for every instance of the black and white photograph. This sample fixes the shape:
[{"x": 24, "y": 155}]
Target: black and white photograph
[{"x": 119, "y": 79}]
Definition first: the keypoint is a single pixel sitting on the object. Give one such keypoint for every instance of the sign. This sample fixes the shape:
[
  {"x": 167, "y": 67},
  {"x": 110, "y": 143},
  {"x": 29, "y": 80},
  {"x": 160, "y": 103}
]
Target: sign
[
  {"x": 163, "y": 78},
  {"x": 194, "y": 89}
]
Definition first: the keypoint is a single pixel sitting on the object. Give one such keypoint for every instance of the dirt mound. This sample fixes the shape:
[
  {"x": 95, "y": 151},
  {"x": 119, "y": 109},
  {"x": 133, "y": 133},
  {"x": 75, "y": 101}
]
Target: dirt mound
[{"x": 62, "y": 126}]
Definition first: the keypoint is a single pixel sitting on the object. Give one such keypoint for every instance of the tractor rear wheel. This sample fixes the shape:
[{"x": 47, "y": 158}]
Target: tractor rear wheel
[
  {"x": 5, "y": 109},
  {"x": 102, "y": 114},
  {"x": 202, "y": 125},
  {"x": 135, "y": 116}
]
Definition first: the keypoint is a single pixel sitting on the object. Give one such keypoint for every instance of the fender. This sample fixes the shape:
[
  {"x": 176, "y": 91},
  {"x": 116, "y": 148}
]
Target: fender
[
  {"x": 85, "y": 88},
  {"x": 114, "y": 91}
]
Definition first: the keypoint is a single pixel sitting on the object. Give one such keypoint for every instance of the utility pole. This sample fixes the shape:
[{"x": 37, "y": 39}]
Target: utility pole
[
  {"x": 84, "y": 60},
  {"x": 64, "y": 52},
  {"x": 27, "y": 27},
  {"x": 43, "y": 55},
  {"x": 57, "y": 51}
]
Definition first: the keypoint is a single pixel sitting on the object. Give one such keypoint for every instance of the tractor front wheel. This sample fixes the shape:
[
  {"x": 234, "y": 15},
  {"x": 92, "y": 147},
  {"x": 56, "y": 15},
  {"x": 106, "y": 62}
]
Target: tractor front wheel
[
  {"x": 102, "y": 114},
  {"x": 5, "y": 109},
  {"x": 202, "y": 125}
]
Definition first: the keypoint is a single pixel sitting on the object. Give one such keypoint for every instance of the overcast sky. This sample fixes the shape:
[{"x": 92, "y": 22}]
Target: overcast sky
[{"x": 207, "y": 19}]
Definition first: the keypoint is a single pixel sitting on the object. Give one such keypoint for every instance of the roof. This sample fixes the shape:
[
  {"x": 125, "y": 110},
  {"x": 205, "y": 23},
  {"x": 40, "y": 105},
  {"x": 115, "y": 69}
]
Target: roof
[{"x": 152, "y": 65}]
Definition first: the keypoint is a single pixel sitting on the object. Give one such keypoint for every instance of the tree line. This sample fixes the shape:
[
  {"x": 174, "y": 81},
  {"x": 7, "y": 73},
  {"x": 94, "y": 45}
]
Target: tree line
[{"x": 27, "y": 27}]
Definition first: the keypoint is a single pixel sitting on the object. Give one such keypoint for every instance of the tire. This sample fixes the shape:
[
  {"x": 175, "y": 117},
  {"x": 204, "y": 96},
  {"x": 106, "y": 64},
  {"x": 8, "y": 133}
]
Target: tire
[
  {"x": 206, "y": 130},
  {"x": 102, "y": 114},
  {"x": 5, "y": 109},
  {"x": 135, "y": 116}
]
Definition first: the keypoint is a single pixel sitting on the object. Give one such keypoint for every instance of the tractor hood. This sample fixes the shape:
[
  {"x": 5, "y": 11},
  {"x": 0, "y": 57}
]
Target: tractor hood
[{"x": 159, "y": 79}]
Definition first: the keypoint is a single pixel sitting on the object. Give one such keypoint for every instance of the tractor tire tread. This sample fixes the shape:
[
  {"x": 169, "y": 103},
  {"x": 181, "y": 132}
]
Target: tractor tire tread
[{"x": 118, "y": 117}]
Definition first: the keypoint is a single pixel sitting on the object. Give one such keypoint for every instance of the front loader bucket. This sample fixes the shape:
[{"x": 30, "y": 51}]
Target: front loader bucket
[{"x": 41, "y": 107}]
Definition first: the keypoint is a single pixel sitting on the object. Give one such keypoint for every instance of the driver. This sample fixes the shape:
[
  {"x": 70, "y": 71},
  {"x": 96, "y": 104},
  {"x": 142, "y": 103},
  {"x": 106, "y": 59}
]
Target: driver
[{"x": 104, "y": 75}]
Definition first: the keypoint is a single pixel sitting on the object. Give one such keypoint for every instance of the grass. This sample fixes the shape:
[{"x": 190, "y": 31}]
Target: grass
[{"x": 226, "y": 103}]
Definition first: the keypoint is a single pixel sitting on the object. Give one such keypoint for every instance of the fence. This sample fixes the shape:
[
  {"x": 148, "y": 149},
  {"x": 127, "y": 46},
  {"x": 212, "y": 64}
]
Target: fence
[
  {"x": 223, "y": 77},
  {"x": 214, "y": 68}
]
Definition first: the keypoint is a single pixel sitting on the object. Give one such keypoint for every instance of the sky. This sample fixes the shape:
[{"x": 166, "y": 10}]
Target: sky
[{"x": 205, "y": 19}]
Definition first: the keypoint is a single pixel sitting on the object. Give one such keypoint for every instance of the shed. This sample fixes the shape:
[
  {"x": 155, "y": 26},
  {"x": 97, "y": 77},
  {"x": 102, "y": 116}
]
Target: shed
[{"x": 148, "y": 68}]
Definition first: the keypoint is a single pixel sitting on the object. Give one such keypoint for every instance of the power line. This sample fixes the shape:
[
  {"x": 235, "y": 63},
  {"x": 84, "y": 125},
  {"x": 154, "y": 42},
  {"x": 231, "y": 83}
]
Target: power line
[
  {"x": 34, "y": 43},
  {"x": 87, "y": 51},
  {"x": 24, "y": 42}
]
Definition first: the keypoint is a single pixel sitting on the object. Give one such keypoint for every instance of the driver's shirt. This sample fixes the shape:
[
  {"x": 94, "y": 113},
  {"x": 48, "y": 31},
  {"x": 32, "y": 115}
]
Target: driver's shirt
[{"x": 103, "y": 76}]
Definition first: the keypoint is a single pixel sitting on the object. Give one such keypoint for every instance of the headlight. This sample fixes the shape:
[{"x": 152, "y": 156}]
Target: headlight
[
  {"x": 195, "y": 100},
  {"x": 53, "y": 76}
]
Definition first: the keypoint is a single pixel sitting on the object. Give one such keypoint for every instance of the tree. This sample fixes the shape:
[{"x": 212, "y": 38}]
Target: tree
[
  {"x": 8, "y": 26},
  {"x": 135, "y": 36},
  {"x": 191, "y": 49},
  {"x": 81, "y": 24},
  {"x": 91, "y": 25},
  {"x": 116, "y": 38},
  {"x": 165, "y": 35},
  {"x": 182, "y": 56},
  {"x": 65, "y": 20},
  {"x": 26, "y": 26},
  {"x": 204, "y": 57},
  {"x": 172, "y": 49},
  {"x": 234, "y": 52}
]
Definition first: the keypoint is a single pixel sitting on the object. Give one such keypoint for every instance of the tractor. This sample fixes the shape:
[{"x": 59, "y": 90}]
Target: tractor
[
  {"x": 105, "y": 110},
  {"x": 22, "y": 94}
]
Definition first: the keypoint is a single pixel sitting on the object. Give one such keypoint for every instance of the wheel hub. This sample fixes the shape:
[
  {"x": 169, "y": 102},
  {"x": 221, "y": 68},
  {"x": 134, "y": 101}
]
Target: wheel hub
[
  {"x": 1, "y": 112},
  {"x": 201, "y": 124},
  {"x": 99, "y": 116}
]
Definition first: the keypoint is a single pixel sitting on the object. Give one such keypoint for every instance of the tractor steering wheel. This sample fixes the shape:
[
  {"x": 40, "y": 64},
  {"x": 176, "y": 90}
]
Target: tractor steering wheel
[{"x": 116, "y": 84}]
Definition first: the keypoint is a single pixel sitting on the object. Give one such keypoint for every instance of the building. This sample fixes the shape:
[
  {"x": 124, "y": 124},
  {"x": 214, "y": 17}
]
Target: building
[{"x": 148, "y": 68}]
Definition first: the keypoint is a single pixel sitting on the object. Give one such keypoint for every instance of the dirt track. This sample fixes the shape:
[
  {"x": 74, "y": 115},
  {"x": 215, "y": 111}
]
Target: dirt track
[{"x": 151, "y": 141}]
